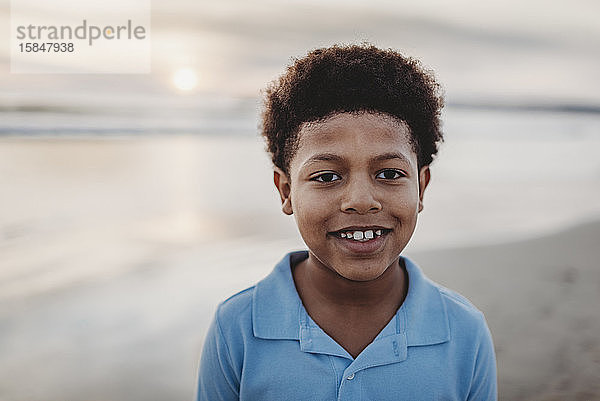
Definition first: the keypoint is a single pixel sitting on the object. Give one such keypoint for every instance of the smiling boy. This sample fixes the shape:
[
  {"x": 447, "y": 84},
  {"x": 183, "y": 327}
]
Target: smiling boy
[{"x": 351, "y": 131}]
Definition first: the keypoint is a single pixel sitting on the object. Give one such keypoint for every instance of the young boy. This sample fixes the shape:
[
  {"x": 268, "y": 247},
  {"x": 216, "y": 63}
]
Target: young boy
[{"x": 351, "y": 131}]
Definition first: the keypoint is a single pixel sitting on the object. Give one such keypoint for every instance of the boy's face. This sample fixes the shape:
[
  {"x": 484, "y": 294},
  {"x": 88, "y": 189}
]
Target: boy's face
[{"x": 355, "y": 190}]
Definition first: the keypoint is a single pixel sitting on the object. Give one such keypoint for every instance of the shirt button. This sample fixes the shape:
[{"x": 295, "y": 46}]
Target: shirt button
[{"x": 350, "y": 377}]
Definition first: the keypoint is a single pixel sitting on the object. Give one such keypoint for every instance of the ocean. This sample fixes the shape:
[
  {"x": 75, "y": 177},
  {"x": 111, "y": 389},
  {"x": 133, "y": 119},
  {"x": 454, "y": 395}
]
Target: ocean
[{"x": 504, "y": 171}]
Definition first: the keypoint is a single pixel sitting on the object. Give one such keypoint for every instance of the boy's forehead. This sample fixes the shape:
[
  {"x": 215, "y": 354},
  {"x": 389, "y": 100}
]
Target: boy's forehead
[
  {"x": 354, "y": 131},
  {"x": 339, "y": 120}
]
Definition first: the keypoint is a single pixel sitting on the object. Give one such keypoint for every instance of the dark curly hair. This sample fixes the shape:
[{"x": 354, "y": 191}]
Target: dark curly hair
[{"x": 354, "y": 78}]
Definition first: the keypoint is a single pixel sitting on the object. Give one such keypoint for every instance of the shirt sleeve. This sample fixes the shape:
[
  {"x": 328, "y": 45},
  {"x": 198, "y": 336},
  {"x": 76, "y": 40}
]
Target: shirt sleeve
[
  {"x": 484, "y": 385},
  {"x": 217, "y": 380}
]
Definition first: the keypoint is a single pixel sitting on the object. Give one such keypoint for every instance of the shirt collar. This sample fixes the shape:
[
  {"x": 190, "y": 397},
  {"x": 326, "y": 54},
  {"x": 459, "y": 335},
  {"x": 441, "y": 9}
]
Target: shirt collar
[
  {"x": 277, "y": 309},
  {"x": 276, "y": 303},
  {"x": 423, "y": 311}
]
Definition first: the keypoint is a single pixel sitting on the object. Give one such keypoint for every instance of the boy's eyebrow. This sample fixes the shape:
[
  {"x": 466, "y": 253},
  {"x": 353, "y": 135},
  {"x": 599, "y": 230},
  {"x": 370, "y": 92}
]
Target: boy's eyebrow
[
  {"x": 333, "y": 157},
  {"x": 320, "y": 157},
  {"x": 392, "y": 155}
]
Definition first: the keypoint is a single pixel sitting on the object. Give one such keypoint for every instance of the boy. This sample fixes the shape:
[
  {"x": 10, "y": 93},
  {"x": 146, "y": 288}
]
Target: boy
[{"x": 351, "y": 131}]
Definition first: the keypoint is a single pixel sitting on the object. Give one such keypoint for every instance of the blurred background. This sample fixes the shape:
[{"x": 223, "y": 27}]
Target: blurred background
[{"x": 130, "y": 205}]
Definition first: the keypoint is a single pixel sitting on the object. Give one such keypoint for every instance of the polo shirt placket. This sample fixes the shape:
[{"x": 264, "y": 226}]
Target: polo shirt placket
[{"x": 388, "y": 347}]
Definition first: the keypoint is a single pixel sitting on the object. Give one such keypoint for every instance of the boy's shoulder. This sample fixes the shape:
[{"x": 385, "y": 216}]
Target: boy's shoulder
[
  {"x": 233, "y": 316},
  {"x": 431, "y": 306},
  {"x": 268, "y": 309},
  {"x": 455, "y": 300},
  {"x": 236, "y": 304},
  {"x": 451, "y": 298},
  {"x": 459, "y": 307},
  {"x": 464, "y": 319}
]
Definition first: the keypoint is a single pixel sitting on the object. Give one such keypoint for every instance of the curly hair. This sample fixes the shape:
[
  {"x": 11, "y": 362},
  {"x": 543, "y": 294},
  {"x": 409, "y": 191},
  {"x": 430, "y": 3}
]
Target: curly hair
[{"x": 354, "y": 78}]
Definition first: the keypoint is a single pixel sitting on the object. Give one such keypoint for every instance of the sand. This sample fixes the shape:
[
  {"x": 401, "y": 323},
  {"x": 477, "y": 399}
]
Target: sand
[
  {"x": 114, "y": 254},
  {"x": 137, "y": 335},
  {"x": 541, "y": 299}
]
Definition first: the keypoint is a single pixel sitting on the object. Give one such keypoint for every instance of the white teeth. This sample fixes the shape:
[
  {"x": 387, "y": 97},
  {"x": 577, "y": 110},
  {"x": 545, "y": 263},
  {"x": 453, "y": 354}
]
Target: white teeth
[{"x": 361, "y": 236}]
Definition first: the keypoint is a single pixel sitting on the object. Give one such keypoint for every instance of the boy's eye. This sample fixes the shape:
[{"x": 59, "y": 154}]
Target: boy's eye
[
  {"x": 390, "y": 174},
  {"x": 327, "y": 177}
]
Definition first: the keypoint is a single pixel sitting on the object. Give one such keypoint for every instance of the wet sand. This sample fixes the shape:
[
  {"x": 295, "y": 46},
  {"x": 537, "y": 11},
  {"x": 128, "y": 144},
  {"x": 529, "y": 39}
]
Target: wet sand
[
  {"x": 137, "y": 335},
  {"x": 541, "y": 300},
  {"x": 114, "y": 254}
]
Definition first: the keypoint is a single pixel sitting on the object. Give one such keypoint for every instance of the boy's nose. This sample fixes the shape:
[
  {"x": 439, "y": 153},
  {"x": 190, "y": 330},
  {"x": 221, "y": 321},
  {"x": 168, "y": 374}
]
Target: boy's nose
[{"x": 360, "y": 198}]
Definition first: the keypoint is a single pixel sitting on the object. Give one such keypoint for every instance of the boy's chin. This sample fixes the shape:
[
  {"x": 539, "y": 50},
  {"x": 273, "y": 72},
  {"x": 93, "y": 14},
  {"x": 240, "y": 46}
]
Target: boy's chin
[
  {"x": 361, "y": 273},
  {"x": 363, "y": 268}
]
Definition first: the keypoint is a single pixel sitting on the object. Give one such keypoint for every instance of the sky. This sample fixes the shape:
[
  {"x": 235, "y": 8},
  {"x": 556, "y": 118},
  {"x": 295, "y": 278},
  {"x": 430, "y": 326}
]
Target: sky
[{"x": 505, "y": 51}]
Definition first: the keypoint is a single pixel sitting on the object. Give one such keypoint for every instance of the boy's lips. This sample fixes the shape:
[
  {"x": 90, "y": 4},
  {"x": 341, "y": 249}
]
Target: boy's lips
[
  {"x": 364, "y": 243},
  {"x": 361, "y": 239}
]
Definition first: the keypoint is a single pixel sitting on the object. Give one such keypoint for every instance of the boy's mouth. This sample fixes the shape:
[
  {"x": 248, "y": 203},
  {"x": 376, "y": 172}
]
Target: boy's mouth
[{"x": 361, "y": 235}]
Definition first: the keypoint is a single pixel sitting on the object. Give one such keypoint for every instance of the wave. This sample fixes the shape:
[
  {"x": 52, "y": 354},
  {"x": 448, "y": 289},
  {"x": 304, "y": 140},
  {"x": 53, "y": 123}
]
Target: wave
[
  {"x": 225, "y": 119},
  {"x": 573, "y": 108}
]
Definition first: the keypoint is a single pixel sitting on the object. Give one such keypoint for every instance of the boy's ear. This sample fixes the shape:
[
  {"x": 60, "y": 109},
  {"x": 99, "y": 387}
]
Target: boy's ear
[
  {"x": 424, "y": 177},
  {"x": 282, "y": 183}
]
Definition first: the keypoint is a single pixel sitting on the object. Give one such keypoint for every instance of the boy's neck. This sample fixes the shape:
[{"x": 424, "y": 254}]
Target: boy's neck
[{"x": 324, "y": 285}]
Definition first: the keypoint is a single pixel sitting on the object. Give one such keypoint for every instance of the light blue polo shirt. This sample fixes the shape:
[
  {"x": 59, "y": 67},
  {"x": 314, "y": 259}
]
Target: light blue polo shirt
[{"x": 263, "y": 346}]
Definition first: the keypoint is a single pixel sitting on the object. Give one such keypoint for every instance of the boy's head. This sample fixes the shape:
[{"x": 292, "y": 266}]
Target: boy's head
[
  {"x": 351, "y": 79},
  {"x": 352, "y": 131}
]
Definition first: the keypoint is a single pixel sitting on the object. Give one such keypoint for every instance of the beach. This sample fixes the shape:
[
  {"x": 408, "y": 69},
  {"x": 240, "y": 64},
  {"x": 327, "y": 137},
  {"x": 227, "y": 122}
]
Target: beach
[
  {"x": 131, "y": 204},
  {"x": 114, "y": 253}
]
